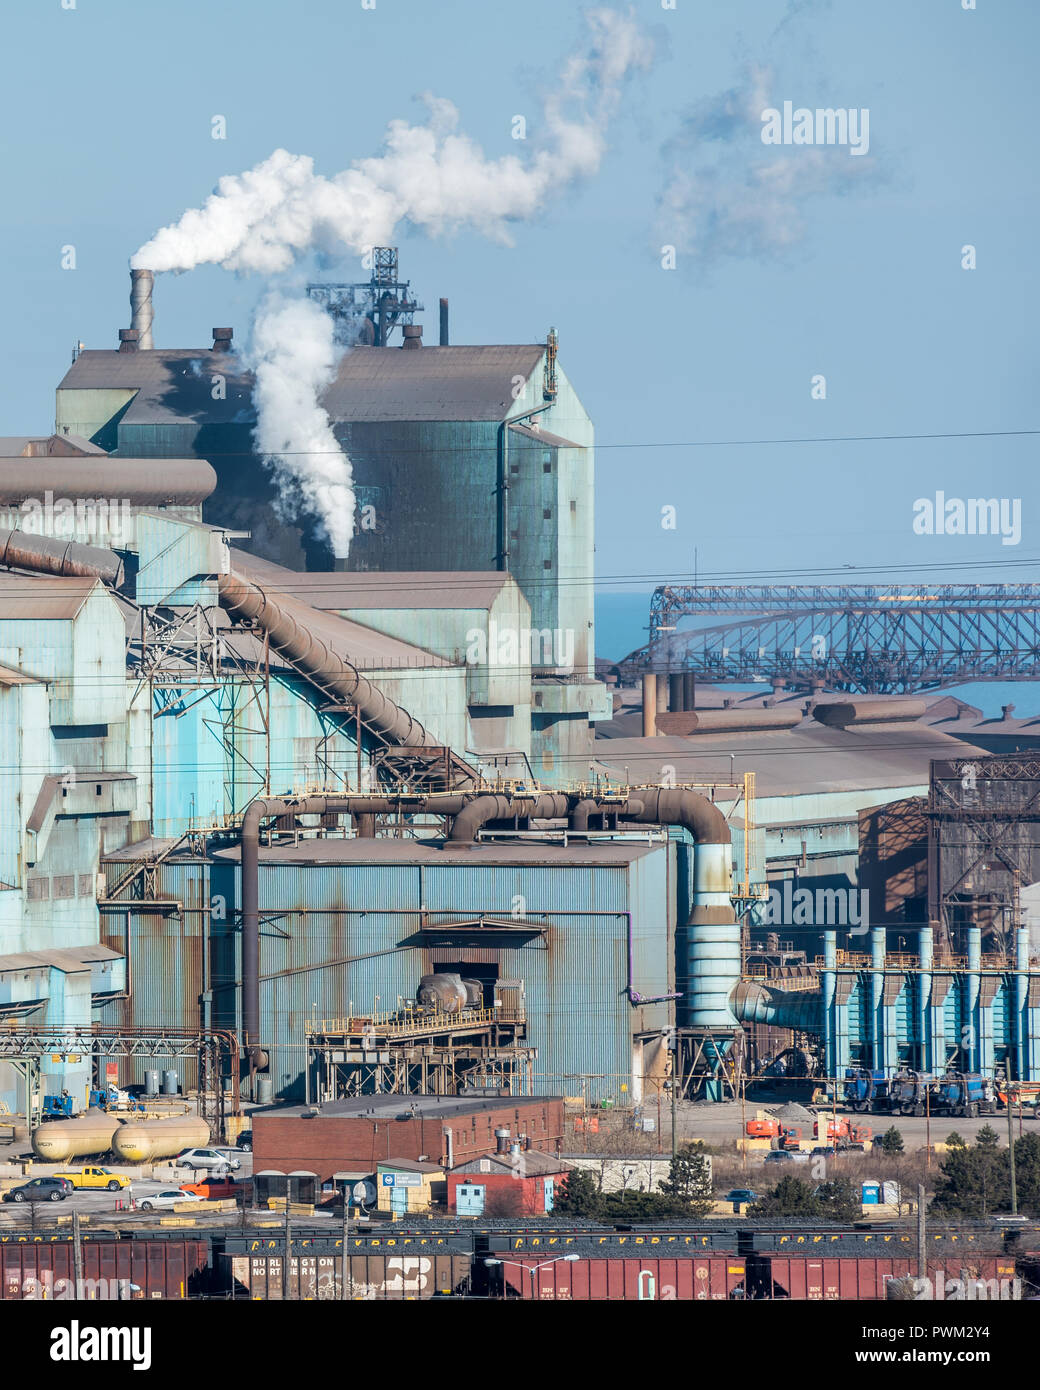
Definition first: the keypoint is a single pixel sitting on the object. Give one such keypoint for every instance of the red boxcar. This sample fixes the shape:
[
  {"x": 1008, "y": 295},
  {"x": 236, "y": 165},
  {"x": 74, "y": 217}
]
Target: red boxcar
[
  {"x": 862, "y": 1277},
  {"x": 112, "y": 1269},
  {"x": 702, "y": 1276}
]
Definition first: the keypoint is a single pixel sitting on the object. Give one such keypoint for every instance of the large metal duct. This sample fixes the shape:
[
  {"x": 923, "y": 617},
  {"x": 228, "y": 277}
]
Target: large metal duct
[
  {"x": 25, "y": 551},
  {"x": 328, "y": 670},
  {"x": 712, "y": 932},
  {"x": 262, "y": 809},
  {"x": 141, "y": 284},
  {"x": 543, "y": 806},
  {"x": 141, "y": 482},
  {"x": 755, "y": 1003},
  {"x": 841, "y": 714},
  {"x": 732, "y": 721}
]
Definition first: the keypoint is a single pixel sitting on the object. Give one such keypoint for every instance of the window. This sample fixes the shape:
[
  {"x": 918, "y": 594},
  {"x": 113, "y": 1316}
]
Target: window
[
  {"x": 547, "y": 513},
  {"x": 546, "y": 467},
  {"x": 574, "y": 506},
  {"x": 546, "y": 564}
]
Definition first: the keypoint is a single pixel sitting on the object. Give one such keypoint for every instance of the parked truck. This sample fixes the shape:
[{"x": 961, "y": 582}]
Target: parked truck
[
  {"x": 865, "y": 1090},
  {"x": 963, "y": 1093},
  {"x": 93, "y": 1176}
]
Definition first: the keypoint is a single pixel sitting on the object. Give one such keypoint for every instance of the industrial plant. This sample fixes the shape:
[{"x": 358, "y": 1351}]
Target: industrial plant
[{"x": 330, "y": 841}]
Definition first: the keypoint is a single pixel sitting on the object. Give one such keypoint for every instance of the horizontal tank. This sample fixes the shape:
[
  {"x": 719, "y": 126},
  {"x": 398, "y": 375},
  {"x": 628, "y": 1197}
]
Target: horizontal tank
[
  {"x": 58, "y": 1141},
  {"x": 445, "y": 993},
  {"x": 143, "y": 1141}
]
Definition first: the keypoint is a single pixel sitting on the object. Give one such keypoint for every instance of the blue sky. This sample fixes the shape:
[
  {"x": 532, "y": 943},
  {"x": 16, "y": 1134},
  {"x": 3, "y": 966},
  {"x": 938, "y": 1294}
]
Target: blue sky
[{"x": 107, "y": 114}]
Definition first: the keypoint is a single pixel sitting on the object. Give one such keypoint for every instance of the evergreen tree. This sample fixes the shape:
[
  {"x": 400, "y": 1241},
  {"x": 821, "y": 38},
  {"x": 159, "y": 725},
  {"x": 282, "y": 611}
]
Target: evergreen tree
[
  {"x": 790, "y": 1197},
  {"x": 954, "y": 1141},
  {"x": 975, "y": 1182},
  {"x": 689, "y": 1180},
  {"x": 892, "y": 1141},
  {"x": 987, "y": 1138},
  {"x": 577, "y": 1196},
  {"x": 839, "y": 1201}
]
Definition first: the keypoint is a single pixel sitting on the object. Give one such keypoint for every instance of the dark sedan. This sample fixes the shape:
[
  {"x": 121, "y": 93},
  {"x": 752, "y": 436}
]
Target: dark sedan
[{"x": 38, "y": 1190}]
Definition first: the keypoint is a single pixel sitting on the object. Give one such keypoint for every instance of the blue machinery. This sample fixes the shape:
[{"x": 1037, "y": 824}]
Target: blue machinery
[{"x": 977, "y": 1014}]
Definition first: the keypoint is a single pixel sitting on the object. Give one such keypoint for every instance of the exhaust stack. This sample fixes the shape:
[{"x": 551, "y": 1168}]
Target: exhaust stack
[{"x": 141, "y": 283}]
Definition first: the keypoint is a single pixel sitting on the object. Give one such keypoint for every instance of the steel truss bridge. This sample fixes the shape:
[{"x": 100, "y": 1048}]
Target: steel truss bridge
[{"x": 866, "y": 639}]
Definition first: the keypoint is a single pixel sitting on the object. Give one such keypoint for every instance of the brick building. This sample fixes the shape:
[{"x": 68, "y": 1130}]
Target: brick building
[
  {"x": 361, "y": 1132},
  {"x": 506, "y": 1184}
]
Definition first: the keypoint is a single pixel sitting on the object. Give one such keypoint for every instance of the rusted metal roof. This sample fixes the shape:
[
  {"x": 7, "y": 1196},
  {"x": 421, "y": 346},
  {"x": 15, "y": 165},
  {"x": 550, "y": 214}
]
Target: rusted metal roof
[
  {"x": 808, "y": 758},
  {"x": 433, "y": 383},
  {"x": 39, "y": 596},
  {"x": 614, "y": 853},
  {"x": 336, "y": 590},
  {"x": 68, "y": 959}
]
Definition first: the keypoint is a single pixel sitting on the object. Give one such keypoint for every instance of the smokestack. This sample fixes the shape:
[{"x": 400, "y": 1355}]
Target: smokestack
[
  {"x": 141, "y": 282},
  {"x": 412, "y": 335},
  {"x": 128, "y": 340},
  {"x": 444, "y": 323},
  {"x": 222, "y": 339}
]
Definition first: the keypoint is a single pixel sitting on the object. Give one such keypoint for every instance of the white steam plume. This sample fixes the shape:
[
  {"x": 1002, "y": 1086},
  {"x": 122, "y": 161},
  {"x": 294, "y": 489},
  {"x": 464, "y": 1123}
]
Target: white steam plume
[
  {"x": 429, "y": 175},
  {"x": 293, "y": 357}
]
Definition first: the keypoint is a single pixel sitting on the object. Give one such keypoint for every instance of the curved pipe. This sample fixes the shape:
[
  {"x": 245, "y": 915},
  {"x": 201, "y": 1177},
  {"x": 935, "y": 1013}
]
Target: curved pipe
[
  {"x": 580, "y": 813},
  {"x": 701, "y": 817},
  {"x": 25, "y": 551},
  {"x": 755, "y": 1003},
  {"x": 544, "y": 806},
  {"x": 357, "y": 806},
  {"x": 322, "y": 666}
]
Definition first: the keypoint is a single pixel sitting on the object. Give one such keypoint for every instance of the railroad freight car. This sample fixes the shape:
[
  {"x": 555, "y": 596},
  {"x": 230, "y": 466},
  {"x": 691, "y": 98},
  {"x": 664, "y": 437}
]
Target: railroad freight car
[
  {"x": 865, "y": 1278},
  {"x": 135, "y": 1268},
  {"x": 588, "y": 1278},
  {"x": 370, "y": 1277}
]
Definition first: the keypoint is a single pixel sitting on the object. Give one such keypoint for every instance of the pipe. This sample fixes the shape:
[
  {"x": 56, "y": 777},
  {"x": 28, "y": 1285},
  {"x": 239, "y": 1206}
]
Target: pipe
[
  {"x": 649, "y": 704},
  {"x": 972, "y": 1007},
  {"x": 261, "y": 809},
  {"x": 139, "y": 482},
  {"x": 712, "y": 931},
  {"x": 1021, "y": 994},
  {"x": 544, "y": 806},
  {"x": 879, "y": 1035},
  {"x": 676, "y": 703},
  {"x": 502, "y": 491},
  {"x": 755, "y": 1003},
  {"x": 27, "y": 551},
  {"x": 580, "y": 813},
  {"x": 444, "y": 323},
  {"x": 141, "y": 315},
  {"x": 331, "y": 673},
  {"x": 828, "y": 993},
  {"x": 926, "y": 956}
]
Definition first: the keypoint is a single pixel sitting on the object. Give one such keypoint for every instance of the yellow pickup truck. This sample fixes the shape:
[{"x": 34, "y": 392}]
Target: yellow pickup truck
[{"x": 95, "y": 1177}]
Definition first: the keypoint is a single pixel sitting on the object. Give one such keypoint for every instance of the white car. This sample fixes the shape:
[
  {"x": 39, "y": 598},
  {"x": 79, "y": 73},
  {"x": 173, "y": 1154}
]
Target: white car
[
  {"x": 167, "y": 1198},
  {"x": 206, "y": 1158}
]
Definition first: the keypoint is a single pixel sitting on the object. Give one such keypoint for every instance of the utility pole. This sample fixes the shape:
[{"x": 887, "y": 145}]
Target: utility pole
[
  {"x": 1011, "y": 1137},
  {"x": 344, "y": 1260},
  {"x": 675, "y": 1088},
  {"x": 743, "y": 1123},
  {"x": 922, "y": 1259},
  {"x": 287, "y": 1266},
  {"x": 77, "y": 1254}
]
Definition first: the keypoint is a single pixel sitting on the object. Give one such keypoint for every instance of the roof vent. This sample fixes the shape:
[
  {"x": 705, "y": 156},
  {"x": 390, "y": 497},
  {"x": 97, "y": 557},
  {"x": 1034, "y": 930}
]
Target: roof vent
[
  {"x": 412, "y": 335},
  {"x": 222, "y": 339},
  {"x": 129, "y": 340}
]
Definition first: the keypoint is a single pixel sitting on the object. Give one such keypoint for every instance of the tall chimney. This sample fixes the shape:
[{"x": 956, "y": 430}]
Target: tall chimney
[
  {"x": 444, "y": 323},
  {"x": 141, "y": 306}
]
